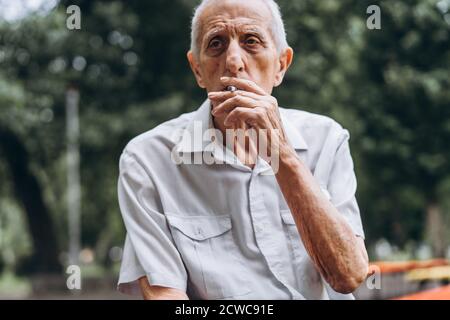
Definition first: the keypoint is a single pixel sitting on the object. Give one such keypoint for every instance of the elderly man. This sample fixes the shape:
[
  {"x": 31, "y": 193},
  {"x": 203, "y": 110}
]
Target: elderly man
[{"x": 226, "y": 229}]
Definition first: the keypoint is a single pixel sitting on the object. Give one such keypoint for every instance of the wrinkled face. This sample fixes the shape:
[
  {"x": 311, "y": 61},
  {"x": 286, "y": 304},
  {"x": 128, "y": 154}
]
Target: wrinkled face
[{"x": 235, "y": 41}]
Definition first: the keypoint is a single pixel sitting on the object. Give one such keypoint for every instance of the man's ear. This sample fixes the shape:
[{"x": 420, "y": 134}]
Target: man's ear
[
  {"x": 195, "y": 69},
  {"x": 285, "y": 61}
]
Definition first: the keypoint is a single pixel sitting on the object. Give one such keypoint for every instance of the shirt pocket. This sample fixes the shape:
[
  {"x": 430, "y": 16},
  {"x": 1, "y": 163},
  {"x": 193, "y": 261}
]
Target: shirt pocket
[{"x": 209, "y": 252}]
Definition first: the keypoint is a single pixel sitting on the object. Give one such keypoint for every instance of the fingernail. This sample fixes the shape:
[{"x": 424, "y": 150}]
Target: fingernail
[{"x": 224, "y": 78}]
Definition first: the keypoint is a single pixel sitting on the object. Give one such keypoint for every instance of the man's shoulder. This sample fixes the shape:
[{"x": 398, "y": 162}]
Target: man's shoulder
[
  {"x": 318, "y": 131},
  {"x": 312, "y": 121},
  {"x": 162, "y": 137}
]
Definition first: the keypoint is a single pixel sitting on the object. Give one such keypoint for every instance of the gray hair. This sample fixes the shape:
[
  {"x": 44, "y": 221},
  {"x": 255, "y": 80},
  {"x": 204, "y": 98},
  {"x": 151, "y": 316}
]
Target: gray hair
[{"x": 276, "y": 26}]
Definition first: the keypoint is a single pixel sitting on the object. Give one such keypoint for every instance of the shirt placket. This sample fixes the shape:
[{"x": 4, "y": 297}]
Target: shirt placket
[{"x": 266, "y": 241}]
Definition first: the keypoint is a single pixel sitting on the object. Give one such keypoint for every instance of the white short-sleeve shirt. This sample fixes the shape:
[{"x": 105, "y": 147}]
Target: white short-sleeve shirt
[{"x": 222, "y": 230}]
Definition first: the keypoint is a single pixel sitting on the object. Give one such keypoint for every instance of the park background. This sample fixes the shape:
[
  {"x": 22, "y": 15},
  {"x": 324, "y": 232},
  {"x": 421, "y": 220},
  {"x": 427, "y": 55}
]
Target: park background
[{"x": 388, "y": 87}]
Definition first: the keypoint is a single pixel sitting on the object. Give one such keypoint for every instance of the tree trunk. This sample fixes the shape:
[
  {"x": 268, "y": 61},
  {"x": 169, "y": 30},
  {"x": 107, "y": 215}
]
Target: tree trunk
[
  {"x": 29, "y": 193},
  {"x": 435, "y": 230}
]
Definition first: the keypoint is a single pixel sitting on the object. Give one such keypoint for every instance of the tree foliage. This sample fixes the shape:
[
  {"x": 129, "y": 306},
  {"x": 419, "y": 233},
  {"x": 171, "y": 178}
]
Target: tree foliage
[{"x": 389, "y": 87}]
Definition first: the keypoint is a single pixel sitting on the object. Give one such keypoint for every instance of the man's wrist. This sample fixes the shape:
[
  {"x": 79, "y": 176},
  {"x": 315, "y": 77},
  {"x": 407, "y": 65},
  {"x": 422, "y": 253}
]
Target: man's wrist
[{"x": 288, "y": 158}]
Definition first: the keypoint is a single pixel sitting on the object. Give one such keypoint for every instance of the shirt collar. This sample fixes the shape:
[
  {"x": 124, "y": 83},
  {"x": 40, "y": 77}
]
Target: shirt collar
[
  {"x": 192, "y": 139},
  {"x": 295, "y": 138},
  {"x": 195, "y": 138}
]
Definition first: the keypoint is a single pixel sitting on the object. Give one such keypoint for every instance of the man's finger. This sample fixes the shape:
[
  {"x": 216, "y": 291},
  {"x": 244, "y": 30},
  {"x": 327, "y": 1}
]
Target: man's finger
[
  {"x": 224, "y": 95},
  {"x": 248, "y": 115},
  {"x": 243, "y": 84},
  {"x": 235, "y": 102}
]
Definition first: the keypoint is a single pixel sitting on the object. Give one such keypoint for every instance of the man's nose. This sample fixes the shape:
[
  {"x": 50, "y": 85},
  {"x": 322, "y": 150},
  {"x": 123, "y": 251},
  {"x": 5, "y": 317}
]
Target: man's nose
[{"x": 235, "y": 58}]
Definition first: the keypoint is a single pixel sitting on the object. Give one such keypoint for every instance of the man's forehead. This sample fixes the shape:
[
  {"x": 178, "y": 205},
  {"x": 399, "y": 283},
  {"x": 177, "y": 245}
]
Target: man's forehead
[{"x": 243, "y": 13}]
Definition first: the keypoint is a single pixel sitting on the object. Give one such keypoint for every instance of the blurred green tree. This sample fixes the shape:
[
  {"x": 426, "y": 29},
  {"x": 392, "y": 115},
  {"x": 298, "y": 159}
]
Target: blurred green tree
[
  {"x": 407, "y": 114},
  {"x": 390, "y": 87}
]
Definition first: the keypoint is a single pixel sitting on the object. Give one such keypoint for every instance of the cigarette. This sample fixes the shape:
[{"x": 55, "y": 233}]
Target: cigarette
[{"x": 231, "y": 88}]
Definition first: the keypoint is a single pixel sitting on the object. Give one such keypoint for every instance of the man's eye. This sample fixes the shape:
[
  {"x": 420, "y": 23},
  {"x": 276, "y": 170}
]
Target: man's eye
[
  {"x": 252, "y": 41},
  {"x": 215, "y": 44}
]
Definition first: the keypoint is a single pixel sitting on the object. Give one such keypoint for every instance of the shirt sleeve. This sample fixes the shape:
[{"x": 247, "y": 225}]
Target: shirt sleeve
[
  {"x": 342, "y": 185},
  {"x": 149, "y": 248}
]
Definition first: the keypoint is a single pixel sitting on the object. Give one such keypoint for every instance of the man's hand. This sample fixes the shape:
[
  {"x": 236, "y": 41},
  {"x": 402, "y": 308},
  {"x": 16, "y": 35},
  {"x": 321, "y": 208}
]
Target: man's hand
[
  {"x": 253, "y": 106},
  {"x": 150, "y": 292}
]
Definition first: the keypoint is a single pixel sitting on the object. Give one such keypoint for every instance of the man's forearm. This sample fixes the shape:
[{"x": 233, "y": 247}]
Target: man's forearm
[
  {"x": 327, "y": 237},
  {"x": 150, "y": 292}
]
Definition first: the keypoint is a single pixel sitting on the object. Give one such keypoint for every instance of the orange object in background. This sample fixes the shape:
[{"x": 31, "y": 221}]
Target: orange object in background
[
  {"x": 403, "y": 266},
  {"x": 442, "y": 293}
]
